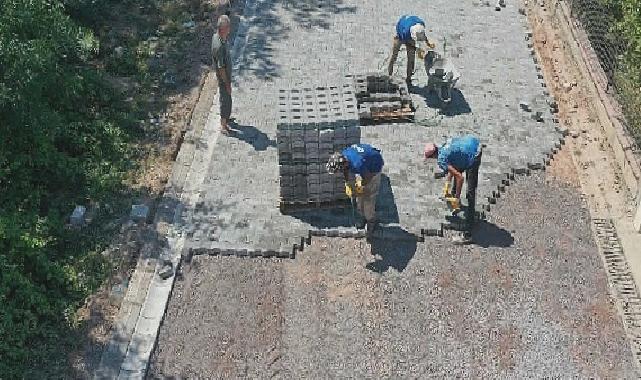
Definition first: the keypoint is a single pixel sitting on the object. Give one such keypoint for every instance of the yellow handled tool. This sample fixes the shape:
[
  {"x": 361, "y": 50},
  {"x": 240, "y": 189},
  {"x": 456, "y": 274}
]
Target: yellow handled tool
[
  {"x": 348, "y": 190},
  {"x": 454, "y": 204},
  {"x": 446, "y": 190},
  {"x": 357, "y": 188}
]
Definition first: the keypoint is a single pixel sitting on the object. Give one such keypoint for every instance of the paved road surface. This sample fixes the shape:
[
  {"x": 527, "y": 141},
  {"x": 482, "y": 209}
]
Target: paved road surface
[{"x": 305, "y": 43}]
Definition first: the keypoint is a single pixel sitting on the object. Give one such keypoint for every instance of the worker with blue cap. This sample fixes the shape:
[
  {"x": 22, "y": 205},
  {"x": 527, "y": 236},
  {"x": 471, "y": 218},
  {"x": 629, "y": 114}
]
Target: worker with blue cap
[
  {"x": 410, "y": 31},
  {"x": 361, "y": 166},
  {"x": 458, "y": 155}
]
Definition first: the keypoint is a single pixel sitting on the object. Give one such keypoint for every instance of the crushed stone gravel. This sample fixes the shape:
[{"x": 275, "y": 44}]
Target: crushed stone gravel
[{"x": 530, "y": 298}]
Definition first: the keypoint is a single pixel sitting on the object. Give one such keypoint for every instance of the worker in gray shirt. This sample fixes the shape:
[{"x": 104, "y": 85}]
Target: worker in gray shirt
[{"x": 222, "y": 63}]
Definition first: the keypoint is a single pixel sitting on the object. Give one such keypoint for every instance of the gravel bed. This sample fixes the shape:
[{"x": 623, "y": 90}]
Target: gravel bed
[{"x": 529, "y": 299}]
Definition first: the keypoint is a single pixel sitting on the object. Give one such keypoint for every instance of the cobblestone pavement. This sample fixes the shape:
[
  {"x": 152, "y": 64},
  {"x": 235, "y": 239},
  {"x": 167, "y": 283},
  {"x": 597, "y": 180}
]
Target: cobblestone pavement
[
  {"x": 291, "y": 43},
  {"x": 530, "y": 299}
]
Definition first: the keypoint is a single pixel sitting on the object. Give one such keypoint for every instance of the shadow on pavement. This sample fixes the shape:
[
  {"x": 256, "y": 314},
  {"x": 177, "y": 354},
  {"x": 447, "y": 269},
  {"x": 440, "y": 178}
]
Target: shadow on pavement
[
  {"x": 390, "y": 242},
  {"x": 325, "y": 218},
  {"x": 270, "y": 29},
  {"x": 487, "y": 235},
  {"x": 386, "y": 210},
  {"x": 252, "y": 136},
  {"x": 457, "y": 106},
  {"x": 395, "y": 247},
  {"x": 484, "y": 233}
]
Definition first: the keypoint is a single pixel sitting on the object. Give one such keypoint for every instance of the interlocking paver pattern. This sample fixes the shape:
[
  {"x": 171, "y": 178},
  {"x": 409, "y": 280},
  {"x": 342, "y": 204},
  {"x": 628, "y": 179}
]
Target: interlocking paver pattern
[{"x": 293, "y": 44}]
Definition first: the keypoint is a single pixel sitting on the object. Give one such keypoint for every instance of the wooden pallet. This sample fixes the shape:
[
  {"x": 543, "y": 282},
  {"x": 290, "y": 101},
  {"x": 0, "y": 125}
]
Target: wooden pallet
[{"x": 405, "y": 114}]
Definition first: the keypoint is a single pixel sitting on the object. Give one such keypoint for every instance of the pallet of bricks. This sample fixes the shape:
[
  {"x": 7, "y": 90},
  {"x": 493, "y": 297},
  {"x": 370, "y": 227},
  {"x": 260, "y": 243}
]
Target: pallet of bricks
[
  {"x": 382, "y": 99},
  {"x": 314, "y": 122}
]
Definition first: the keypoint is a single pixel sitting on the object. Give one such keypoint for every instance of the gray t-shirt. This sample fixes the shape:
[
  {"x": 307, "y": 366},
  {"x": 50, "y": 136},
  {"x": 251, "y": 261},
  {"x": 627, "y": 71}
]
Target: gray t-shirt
[{"x": 220, "y": 56}]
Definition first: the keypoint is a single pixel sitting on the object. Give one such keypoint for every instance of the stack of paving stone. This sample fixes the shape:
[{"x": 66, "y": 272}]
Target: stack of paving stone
[
  {"x": 382, "y": 99},
  {"x": 314, "y": 122}
]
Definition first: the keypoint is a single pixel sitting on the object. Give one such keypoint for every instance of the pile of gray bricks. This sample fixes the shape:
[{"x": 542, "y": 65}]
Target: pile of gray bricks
[
  {"x": 314, "y": 122},
  {"x": 382, "y": 99}
]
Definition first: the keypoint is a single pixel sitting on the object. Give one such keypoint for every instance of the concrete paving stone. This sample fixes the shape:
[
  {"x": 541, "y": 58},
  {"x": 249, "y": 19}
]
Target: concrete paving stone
[{"x": 280, "y": 60}]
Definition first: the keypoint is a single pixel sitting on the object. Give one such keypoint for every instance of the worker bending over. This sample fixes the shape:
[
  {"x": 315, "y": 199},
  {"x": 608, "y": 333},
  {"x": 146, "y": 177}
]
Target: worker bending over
[
  {"x": 455, "y": 156},
  {"x": 361, "y": 165},
  {"x": 410, "y": 30}
]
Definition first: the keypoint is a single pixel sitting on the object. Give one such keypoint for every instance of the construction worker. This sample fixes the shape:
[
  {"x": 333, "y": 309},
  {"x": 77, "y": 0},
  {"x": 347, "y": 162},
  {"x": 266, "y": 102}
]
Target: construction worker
[
  {"x": 222, "y": 64},
  {"x": 458, "y": 155},
  {"x": 410, "y": 30},
  {"x": 361, "y": 165}
]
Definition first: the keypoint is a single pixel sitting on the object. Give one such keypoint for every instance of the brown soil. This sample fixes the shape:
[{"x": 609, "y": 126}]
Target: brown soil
[{"x": 586, "y": 159}]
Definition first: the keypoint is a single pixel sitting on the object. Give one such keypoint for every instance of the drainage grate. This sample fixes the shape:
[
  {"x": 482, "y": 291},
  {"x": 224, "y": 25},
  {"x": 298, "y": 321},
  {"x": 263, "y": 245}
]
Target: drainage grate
[{"x": 621, "y": 282}]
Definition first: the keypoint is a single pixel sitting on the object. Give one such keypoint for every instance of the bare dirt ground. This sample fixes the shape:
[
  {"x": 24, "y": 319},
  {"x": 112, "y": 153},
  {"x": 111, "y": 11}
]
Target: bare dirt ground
[
  {"x": 530, "y": 297},
  {"x": 599, "y": 177}
]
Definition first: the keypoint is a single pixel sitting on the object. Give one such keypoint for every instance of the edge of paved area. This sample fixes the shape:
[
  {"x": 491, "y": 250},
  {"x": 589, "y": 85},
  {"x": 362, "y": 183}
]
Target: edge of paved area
[
  {"x": 133, "y": 337},
  {"x": 142, "y": 306},
  {"x": 608, "y": 109}
]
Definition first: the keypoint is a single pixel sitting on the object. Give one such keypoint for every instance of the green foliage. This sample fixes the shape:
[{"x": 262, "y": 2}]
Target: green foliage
[
  {"x": 614, "y": 28},
  {"x": 625, "y": 33},
  {"x": 63, "y": 141},
  {"x": 628, "y": 77}
]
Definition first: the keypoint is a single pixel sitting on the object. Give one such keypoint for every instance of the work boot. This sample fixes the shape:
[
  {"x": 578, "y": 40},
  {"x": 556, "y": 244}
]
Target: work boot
[
  {"x": 361, "y": 223},
  {"x": 463, "y": 239},
  {"x": 370, "y": 227},
  {"x": 408, "y": 81}
]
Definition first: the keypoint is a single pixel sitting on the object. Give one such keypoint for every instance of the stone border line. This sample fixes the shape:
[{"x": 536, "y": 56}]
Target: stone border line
[
  {"x": 622, "y": 285},
  {"x": 153, "y": 268},
  {"x": 134, "y": 335}
]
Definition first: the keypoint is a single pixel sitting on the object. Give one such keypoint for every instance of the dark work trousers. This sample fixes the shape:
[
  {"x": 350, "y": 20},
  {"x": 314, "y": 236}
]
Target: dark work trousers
[
  {"x": 225, "y": 101},
  {"x": 472, "y": 178},
  {"x": 410, "y": 46}
]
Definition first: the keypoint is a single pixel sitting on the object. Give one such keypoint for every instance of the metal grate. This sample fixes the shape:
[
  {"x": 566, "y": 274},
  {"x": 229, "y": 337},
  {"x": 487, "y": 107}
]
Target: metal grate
[{"x": 621, "y": 282}]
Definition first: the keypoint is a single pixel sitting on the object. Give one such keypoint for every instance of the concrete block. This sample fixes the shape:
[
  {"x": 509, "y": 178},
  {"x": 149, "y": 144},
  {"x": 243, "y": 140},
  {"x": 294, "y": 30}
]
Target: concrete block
[
  {"x": 77, "y": 218},
  {"x": 139, "y": 213}
]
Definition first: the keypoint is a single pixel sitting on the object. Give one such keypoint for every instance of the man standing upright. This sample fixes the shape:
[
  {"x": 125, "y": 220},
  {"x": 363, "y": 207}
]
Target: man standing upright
[
  {"x": 410, "y": 30},
  {"x": 457, "y": 155},
  {"x": 222, "y": 64}
]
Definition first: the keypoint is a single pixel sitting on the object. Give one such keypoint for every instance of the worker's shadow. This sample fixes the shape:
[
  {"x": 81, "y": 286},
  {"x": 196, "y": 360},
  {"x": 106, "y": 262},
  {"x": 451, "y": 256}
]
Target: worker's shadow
[
  {"x": 486, "y": 234},
  {"x": 458, "y": 105},
  {"x": 252, "y": 136},
  {"x": 392, "y": 246}
]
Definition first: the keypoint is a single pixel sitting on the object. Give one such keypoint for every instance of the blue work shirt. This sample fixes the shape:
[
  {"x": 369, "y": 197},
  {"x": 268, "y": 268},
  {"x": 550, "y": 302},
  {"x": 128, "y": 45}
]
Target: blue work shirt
[
  {"x": 459, "y": 152},
  {"x": 403, "y": 27},
  {"x": 363, "y": 159}
]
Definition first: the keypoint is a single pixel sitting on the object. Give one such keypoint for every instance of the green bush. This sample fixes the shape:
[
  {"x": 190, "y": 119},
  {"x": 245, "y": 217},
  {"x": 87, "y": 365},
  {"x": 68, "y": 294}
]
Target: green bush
[
  {"x": 64, "y": 141},
  {"x": 625, "y": 31}
]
